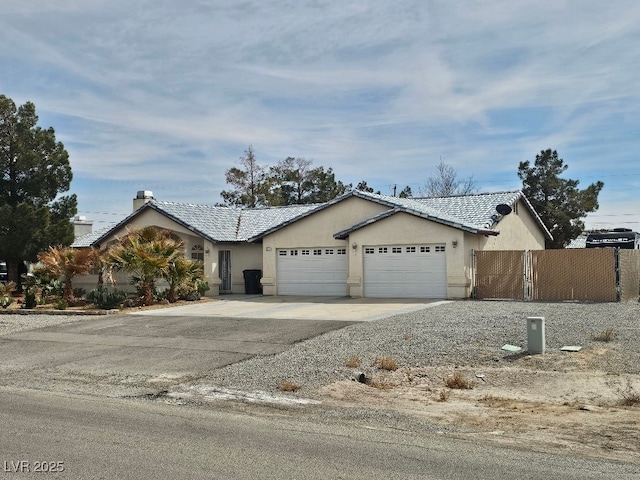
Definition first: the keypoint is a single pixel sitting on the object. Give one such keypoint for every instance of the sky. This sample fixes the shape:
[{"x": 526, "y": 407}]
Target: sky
[{"x": 166, "y": 96}]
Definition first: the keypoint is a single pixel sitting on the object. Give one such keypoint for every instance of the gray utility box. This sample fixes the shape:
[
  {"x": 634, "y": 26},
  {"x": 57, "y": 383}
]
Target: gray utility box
[{"x": 535, "y": 334}]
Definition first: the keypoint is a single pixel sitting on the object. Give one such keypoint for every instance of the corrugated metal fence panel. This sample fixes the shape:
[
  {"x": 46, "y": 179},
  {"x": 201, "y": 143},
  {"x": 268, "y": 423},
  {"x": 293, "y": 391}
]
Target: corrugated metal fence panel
[
  {"x": 629, "y": 261},
  {"x": 575, "y": 274},
  {"x": 500, "y": 274}
]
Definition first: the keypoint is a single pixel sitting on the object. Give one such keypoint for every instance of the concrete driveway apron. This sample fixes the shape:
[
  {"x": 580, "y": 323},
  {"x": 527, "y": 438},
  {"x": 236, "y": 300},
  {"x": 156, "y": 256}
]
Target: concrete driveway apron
[{"x": 299, "y": 308}]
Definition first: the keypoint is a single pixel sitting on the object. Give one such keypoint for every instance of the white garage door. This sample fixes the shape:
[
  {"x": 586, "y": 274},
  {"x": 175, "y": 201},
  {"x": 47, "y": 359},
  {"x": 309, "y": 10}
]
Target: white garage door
[
  {"x": 312, "y": 271},
  {"x": 405, "y": 271}
]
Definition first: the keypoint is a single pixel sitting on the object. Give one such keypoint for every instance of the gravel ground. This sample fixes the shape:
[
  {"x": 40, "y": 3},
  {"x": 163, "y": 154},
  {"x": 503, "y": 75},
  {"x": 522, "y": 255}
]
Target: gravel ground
[
  {"x": 461, "y": 333},
  {"x": 11, "y": 322}
]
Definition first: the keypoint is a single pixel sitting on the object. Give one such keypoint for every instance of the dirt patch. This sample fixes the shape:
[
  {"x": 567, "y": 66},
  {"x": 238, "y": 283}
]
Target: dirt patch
[{"x": 552, "y": 403}]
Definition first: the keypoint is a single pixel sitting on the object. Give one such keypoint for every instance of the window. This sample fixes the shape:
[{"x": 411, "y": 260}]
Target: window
[
  {"x": 425, "y": 249},
  {"x": 396, "y": 250},
  {"x": 328, "y": 251},
  {"x": 305, "y": 252},
  {"x": 440, "y": 248},
  {"x": 411, "y": 250},
  {"x": 369, "y": 250},
  {"x": 294, "y": 252},
  {"x": 382, "y": 250},
  {"x": 317, "y": 251},
  {"x": 197, "y": 253},
  {"x": 341, "y": 251},
  {"x": 282, "y": 253}
]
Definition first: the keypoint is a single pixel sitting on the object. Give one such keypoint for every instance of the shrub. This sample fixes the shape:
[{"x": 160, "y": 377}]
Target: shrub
[
  {"x": 5, "y": 301},
  {"x": 605, "y": 336},
  {"x": 61, "y": 304},
  {"x": 106, "y": 298},
  {"x": 457, "y": 380},
  {"x": 386, "y": 363},
  {"x": 287, "y": 386},
  {"x": 6, "y": 289},
  {"x": 30, "y": 298},
  {"x": 79, "y": 292},
  {"x": 353, "y": 362}
]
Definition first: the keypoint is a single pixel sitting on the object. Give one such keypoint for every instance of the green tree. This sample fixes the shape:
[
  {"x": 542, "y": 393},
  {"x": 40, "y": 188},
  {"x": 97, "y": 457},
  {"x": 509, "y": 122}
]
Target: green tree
[
  {"x": 292, "y": 181},
  {"x": 406, "y": 192},
  {"x": 289, "y": 182},
  {"x": 364, "y": 187},
  {"x": 34, "y": 170},
  {"x": 558, "y": 201},
  {"x": 249, "y": 182},
  {"x": 446, "y": 183}
]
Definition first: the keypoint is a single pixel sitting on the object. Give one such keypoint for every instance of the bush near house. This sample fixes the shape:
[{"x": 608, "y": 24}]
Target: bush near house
[{"x": 148, "y": 255}]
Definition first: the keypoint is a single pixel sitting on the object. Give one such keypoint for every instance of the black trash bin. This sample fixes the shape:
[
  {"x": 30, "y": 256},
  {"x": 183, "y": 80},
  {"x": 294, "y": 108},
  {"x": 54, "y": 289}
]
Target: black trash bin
[{"x": 252, "y": 281}]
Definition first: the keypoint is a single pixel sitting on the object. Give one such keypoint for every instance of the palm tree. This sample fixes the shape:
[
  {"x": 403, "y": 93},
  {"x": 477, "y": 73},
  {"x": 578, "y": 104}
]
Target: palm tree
[
  {"x": 64, "y": 263},
  {"x": 147, "y": 254},
  {"x": 182, "y": 275}
]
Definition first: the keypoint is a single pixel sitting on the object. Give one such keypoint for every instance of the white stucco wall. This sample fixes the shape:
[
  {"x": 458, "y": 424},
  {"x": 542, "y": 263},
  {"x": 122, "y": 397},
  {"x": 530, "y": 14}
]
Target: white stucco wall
[
  {"x": 314, "y": 231},
  {"x": 406, "y": 229}
]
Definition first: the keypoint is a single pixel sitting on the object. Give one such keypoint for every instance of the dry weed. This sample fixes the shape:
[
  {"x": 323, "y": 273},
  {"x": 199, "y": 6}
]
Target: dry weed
[
  {"x": 457, "y": 380},
  {"x": 444, "y": 395},
  {"x": 287, "y": 386},
  {"x": 353, "y": 362},
  {"x": 380, "y": 383},
  {"x": 607, "y": 335},
  {"x": 386, "y": 363},
  {"x": 629, "y": 396}
]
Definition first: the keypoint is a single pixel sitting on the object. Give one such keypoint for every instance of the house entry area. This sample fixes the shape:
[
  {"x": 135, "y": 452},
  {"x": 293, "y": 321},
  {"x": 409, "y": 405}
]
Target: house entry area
[
  {"x": 405, "y": 271},
  {"x": 224, "y": 270},
  {"x": 317, "y": 271}
]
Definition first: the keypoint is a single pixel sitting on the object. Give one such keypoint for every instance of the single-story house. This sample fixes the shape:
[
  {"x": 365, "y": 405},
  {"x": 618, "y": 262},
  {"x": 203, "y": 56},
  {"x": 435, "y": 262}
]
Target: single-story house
[{"x": 360, "y": 244}]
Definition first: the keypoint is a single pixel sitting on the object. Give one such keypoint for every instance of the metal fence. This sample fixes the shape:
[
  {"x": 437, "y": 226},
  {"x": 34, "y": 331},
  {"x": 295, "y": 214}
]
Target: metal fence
[{"x": 590, "y": 275}]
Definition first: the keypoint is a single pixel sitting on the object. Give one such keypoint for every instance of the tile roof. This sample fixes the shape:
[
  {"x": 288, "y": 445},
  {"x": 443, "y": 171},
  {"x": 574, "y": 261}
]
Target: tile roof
[
  {"x": 474, "y": 213},
  {"x": 217, "y": 224}
]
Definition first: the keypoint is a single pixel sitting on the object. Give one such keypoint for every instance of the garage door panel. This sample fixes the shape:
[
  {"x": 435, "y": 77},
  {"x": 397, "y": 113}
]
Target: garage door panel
[
  {"x": 312, "y": 271},
  {"x": 405, "y": 271}
]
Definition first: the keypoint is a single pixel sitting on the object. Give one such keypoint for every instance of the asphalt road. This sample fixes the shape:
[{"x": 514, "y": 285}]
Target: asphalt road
[
  {"x": 128, "y": 355},
  {"x": 100, "y": 438}
]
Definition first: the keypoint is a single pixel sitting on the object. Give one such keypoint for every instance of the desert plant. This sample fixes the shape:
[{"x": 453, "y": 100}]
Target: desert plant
[
  {"x": 287, "y": 386},
  {"x": 629, "y": 396},
  {"x": 64, "y": 263},
  {"x": 458, "y": 380},
  {"x": 30, "y": 298},
  {"x": 444, "y": 395},
  {"x": 386, "y": 363},
  {"x": 106, "y": 298},
  {"x": 147, "y": 254},
  {"x": 380, "y": 382},
  {"x": 353, "y": 361},
  {"x": 6, "y": 290},
  {"x": 61, "y": 304},
  {"x": 606, "y": 335}
]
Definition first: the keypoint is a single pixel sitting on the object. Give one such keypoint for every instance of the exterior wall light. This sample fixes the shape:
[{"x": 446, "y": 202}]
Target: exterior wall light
[
  {"x": 354, "y": 245},
  {"x": 454, "y": 243}
]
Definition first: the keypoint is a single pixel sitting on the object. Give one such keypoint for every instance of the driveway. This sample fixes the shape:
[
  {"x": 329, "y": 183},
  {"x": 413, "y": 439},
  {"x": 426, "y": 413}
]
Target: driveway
[
  {"x": 298, "y": 308},
  {"x": 149, "y": 351}
]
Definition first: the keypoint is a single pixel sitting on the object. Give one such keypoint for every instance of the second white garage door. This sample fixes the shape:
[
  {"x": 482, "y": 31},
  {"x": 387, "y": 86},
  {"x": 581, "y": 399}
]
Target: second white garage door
[
  {"x": 312, "y": 271},
  {"x": 405, "y": 271}
]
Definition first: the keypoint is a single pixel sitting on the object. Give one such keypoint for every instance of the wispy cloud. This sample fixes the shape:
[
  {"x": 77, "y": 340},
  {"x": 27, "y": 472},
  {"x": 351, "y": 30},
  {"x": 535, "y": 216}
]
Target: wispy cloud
[{"x": 170, "y": 94}]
